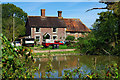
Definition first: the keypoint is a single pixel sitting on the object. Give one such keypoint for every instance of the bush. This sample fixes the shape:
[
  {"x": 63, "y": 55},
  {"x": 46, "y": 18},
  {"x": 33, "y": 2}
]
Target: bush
[
  {"x": 71, "y": 38},
  {"x": 16, "y": 61},
  {"x": 90, "y": 45},
  {"x": 80, "y": 38}
]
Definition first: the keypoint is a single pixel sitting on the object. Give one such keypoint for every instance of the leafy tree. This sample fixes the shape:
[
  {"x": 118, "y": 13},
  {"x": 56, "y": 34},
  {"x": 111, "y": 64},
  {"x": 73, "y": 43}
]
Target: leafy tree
[
  {"x": 7, "y": 21},
  {"x": 105, "y": 37},
  {"x": 107, "y": 27},
  {"x": 71, "y": 38},
  {"x": 115, "y": 8}
]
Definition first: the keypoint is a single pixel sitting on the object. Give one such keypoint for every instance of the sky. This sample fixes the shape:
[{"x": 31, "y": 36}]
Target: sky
[{"x": 69, "y": 10}]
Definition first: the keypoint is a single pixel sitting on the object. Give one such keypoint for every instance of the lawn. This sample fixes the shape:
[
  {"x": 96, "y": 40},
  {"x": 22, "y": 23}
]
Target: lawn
[
  {"x": 40, "y": 47},
  {"x": 60, "y": 47}
]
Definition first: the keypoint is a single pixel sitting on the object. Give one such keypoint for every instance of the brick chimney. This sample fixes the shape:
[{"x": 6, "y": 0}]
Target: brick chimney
[
  {"x": 59, "y": 13},
  {"x": 43, "y": 12}
]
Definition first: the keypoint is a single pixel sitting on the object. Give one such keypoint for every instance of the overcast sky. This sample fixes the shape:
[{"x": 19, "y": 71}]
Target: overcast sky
[{"x": 69, "y": 9}]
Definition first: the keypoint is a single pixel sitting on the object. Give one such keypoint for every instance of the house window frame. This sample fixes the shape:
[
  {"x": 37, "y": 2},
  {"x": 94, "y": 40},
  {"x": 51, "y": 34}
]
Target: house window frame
[
  {"x": 56, "y": 37},
  {"x": 56, "y": 30},
  {"x": 39, "y": 30},
  {"x": 48, "y": 34},
  {"x": 39, "y": 37}
]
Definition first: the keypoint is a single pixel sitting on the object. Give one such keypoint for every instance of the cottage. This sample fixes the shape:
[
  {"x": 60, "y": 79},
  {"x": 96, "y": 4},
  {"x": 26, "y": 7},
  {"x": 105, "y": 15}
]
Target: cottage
[{"x": 46, "y": 27}]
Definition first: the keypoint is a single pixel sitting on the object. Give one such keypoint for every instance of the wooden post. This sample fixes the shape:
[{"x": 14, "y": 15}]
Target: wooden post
[{"x": 13, "y": 26}]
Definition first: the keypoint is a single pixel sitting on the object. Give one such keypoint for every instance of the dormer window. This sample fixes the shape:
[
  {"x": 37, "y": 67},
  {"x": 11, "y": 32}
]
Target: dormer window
[
  {"x": 37, "y": 29},
  {"x": 54, "y": 30}
]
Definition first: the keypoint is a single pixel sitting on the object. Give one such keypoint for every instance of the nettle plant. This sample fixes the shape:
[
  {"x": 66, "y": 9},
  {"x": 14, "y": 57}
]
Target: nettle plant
[{"x": 16, "y": 61}]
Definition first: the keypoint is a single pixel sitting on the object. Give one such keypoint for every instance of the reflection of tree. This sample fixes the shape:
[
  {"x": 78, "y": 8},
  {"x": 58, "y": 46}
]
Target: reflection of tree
[
  {"x": 94, "y": 59},
  {"x": 100, "y": 60},
  {"x": 42, "y": 74},
  {"x": 72, "y": 61}
]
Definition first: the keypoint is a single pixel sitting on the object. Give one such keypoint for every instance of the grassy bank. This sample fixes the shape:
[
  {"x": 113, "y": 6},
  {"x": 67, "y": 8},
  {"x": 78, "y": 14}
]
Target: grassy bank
[{"x": 54, "y": 53}]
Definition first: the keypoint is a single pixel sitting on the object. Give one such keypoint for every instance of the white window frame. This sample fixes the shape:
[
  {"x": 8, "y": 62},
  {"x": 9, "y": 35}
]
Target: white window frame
[
  {"x": 68, "y": 32},
  {"x": 39, "y": 30},
  {"x": 65, "y": 29},
  {"x": 39, "y": 37},
  {"x": 56, "y": 30},
  {"x": 56, "y": 37},
  {"x": 49, "y": 34}
]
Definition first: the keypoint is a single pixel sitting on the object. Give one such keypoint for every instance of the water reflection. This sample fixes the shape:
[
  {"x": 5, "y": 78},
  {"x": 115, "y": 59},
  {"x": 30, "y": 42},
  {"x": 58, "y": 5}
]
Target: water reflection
[{"x": 61, "y": 63}]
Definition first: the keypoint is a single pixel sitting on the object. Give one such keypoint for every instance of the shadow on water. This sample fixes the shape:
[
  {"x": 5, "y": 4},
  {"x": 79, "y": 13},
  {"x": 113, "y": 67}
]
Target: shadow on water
[{"x": 70, "y": 62}]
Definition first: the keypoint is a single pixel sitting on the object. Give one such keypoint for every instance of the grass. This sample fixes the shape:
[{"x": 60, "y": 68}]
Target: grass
[
  {"x": 50, "y": 47},
  {"x": 60, "y": 47},
  {"x": 63, "y": 52}
]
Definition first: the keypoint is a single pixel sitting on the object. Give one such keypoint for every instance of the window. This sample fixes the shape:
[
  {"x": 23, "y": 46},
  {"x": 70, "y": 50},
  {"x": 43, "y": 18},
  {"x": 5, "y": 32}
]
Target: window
[
  {"x": 37, "y": 38},
  {"x": 37, "y": 29},
  {"x": 54, "y": 37},
  {"x": 54, "y": 30}
]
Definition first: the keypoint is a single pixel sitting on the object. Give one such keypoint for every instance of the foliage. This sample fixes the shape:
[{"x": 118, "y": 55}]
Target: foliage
[
  {"x": 115, "y": 8},
  {"x": 7, "y": 20},
  {"x": 49, "y": 68},
  {"x": 76, "y": 73},
  {"x": 71, "y": 45},
  {"x": 71, "y": 38},
  {"x": 107, "y": 27},
  {"x": 105, "y": 37},
  {"x": 110, "y": 72},
  {"x": 89, "y": 45},
  {"x": 80, "y": 38},
  {"x": 16, "y": 60}
]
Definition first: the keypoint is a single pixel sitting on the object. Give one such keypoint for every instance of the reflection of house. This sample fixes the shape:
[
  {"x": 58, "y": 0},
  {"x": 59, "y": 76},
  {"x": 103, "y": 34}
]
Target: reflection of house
[
  {"x": 42, "y": 27},
  {"x": 58, "y": 64}
]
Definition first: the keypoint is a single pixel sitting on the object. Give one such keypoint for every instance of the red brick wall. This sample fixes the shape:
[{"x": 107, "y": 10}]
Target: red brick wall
[{"x": 60, "y": 33}]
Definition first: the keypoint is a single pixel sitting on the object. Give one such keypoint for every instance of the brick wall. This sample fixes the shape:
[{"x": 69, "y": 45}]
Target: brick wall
[
  {"x": 61, "y": 33},
  {"x": 77, "y": 35}
]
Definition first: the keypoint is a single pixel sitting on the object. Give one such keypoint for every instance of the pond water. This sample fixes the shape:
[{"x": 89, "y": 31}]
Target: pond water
[{"x": 69, "y": 62}]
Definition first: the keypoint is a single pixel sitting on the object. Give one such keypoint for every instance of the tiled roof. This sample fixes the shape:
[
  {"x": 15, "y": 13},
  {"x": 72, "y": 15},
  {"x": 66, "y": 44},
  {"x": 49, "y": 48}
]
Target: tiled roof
[
  {"x": 75, "y": 25},
  {"x": 72, "y": 25},
  {"x": 38, "y": 21}
]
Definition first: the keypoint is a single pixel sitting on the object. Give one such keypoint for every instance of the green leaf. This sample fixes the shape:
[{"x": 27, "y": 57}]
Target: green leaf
[{"x": 10, "y": 57}]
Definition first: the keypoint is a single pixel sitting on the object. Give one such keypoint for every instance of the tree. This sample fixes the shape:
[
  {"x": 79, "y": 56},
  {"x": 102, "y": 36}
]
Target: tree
[
  {"x": 7, "y": 21},
  {"x": 115, "y": 8},
  {"x": 71, "y": 38},
  {"x": 106, "y": 34}
]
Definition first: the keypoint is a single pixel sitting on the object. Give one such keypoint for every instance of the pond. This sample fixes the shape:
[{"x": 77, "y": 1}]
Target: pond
[{"x": 70, "y": 62}]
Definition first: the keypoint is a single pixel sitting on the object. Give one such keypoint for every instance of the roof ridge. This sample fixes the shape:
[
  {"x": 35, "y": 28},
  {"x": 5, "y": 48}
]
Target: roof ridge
[
  {"x": 72, "y": 18},
  {"x": 41, "y": 16},
  {"x": 55, "y": 17}
]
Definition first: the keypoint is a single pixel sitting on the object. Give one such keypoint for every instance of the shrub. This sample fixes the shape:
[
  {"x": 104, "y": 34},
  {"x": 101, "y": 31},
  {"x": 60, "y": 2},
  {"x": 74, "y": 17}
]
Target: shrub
[
  {"x": 71, "y": 38},
  {"x": 16, "y": 61},
  {"x": 80, "y": 38}
]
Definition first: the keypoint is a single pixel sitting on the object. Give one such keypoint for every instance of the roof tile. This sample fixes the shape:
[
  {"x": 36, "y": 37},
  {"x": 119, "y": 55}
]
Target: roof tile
[{"x": 72, "y": 25}]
